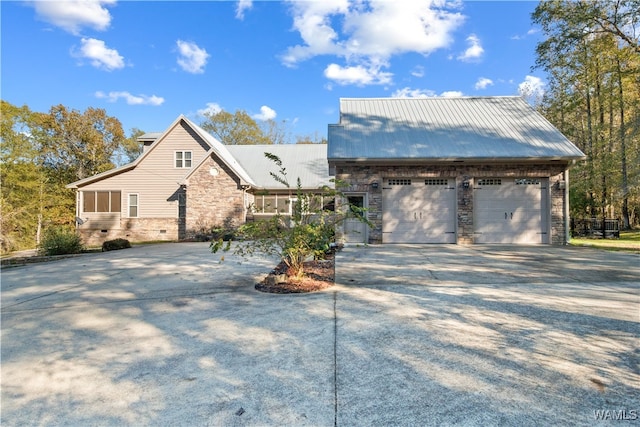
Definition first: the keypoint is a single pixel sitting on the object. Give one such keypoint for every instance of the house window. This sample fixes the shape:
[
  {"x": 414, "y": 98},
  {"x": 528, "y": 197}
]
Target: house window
[
  {"x": 269, "y": 204},
  {"x": 183, "y": 159},
  {"x": 101, "y": 201},
  {"x": 133, "y": 205}
]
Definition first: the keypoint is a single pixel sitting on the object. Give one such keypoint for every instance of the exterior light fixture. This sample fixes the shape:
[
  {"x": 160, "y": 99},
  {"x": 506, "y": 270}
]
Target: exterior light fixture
[{"x": 374, "y": 185}]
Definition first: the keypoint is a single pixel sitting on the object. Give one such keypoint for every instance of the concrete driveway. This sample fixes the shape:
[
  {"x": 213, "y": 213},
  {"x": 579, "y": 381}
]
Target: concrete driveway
[{"x": 411, "y": 335}]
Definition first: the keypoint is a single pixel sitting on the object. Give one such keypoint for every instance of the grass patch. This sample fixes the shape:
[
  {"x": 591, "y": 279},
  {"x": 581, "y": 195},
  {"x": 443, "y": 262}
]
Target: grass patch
[{"x": 629, "y": 241}]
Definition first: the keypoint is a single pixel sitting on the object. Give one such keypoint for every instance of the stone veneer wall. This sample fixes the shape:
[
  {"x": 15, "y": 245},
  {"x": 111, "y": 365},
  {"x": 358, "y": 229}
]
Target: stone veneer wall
[
  {"x": 213, "y": 200},
  {"x": 360, "y": 177},
  {"x": 132, "y": 229}
]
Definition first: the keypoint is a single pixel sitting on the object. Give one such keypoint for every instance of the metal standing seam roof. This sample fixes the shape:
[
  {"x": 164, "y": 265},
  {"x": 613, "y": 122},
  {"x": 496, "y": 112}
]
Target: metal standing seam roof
[
  {"x": 305, "y": 161},
  {"x": 482, "y": 128}
]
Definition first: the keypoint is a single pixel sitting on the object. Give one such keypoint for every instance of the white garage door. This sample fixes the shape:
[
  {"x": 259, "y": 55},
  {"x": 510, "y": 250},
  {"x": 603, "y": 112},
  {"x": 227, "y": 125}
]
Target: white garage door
[
  {"x": 508, "y": 210},
  {"x": 418, "y": 210}
]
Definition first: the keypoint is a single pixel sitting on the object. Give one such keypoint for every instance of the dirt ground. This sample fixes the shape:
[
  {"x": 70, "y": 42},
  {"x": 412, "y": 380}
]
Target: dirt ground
[{"x": 319, "y": 275}]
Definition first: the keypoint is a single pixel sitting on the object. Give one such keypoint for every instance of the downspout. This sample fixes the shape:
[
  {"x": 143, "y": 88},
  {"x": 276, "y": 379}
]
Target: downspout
[
  {"x": 77, "y": 209},
  {"x": 244, "y": 204},
  {"x": 567, "y": 219}
]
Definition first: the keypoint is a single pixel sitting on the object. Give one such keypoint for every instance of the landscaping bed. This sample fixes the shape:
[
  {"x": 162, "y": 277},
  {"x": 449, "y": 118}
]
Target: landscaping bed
[{"x": 319, "y": 275}]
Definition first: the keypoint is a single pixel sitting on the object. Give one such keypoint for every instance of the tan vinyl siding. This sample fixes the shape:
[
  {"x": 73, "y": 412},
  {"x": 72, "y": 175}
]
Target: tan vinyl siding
[{"x": 155, "y": 179}]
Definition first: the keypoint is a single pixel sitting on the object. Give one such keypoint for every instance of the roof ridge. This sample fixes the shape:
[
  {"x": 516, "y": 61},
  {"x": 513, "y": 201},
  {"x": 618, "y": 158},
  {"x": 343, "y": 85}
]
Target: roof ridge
[{"x": 393, "y": 98}]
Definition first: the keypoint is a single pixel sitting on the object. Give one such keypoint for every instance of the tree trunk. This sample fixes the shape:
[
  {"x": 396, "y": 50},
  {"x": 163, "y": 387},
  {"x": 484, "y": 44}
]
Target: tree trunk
[{"x": 623, "y": 151}]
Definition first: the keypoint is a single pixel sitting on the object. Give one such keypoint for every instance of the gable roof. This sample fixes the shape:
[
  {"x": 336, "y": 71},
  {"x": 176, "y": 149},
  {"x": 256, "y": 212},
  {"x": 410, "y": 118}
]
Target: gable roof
[
  {"x": 214, "y": 145},
  {"x": 221, "y": 151},
  {"x": 305, "y": 161},
  {"x": 466, "y": 128}
]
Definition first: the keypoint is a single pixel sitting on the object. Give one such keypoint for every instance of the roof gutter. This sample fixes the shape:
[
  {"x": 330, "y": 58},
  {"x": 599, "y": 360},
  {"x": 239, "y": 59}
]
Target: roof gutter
[{"x": 422, "y": 160}]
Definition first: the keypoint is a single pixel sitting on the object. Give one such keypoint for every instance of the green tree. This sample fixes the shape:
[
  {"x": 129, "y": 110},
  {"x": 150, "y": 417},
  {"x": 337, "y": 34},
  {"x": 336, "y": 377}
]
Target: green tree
[
  {"x": 130, "y": 148},
  {"x": 42, "y": 152},
  {"x": 22, "y": 179},
  {"x": 77, "y": 144},
  {"x": 275, "y": 132},
  {"x": 590, "y": 53},
  {"x": 314, "y": 138},
  {"x": 234, "y": 129}
]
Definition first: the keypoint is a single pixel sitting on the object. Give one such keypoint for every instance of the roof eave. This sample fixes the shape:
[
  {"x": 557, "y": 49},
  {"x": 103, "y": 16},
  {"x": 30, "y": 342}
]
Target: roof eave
[
  {"x": 100, "y": 176},
  {"x": 405, "y": 160}
]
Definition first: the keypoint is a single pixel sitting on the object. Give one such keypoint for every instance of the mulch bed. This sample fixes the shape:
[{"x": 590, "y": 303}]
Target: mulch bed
[{"x": 319, "y": 275}]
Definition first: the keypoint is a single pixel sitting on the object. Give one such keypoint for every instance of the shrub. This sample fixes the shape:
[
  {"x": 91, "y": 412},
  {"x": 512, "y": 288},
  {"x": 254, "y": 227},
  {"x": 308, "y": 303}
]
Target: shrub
[
  {"x": 60, "y": 241},
  {"x": 114, "y": 245},
  {"x": 307, "y": 232},
  {"x": 226, "y": 231}
]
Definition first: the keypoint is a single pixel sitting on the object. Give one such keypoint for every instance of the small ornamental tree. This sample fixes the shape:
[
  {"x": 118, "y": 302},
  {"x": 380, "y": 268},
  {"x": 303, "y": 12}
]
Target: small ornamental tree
[{"x": 308, "y": 232}]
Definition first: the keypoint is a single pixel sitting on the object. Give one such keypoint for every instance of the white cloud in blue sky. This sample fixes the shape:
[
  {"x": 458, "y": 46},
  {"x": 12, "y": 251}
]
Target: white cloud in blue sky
[
  {"x": 266, "y": 113},
  {"x": 531, "y": 87},
  {"x": 483, "y": 83},
  {"x": 73, "y": 15},
  {"x": 130, "y": 99},
  {"x": 296, "y": 57},
  {"x": 191, "y": 57},
  {"x": 100, "y": 56},
  {"x": 407, "y": 92},
  {"x": 359, "y": 75},
  {"x": 475, "y": 50},
  {"x": 243, "y": 5},
  {"x": 368, "y": 35},
  {"x": 418, "y": 71},
  {"x": 211, "y": 109}
]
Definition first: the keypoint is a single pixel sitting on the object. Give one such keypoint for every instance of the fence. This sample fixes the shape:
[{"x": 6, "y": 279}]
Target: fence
[{"x": 609, "y": 229}]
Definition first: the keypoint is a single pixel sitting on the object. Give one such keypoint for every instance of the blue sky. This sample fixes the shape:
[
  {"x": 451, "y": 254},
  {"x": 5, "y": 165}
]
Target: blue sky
[{"x": 147, "y": 62}]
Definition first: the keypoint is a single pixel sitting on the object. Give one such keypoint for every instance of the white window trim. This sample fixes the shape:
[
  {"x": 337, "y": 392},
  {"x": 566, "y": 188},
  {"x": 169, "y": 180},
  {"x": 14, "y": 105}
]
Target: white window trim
[
  {"x": 183, "y": 159},
  {"x": 129, "y": 205}
]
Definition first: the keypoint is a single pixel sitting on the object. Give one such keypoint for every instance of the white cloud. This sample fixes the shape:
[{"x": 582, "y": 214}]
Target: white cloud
[
  {"x": 192, "y": 58},
  {"x": 99, "y": 54},
  {"x": 483, "y": 83},
  {"x": 413, "y": 93},
  {"x": 242, "y": 6},
  {"x": 72, "y": 15},
  {"x": 130, "y": 99},
  {"x": 368, "y": 34},
  {"x": 474, "y": 51},
  {"x": 531, "y": 87},
  {"x": 451, "y": 94},
  {"x": 531, "y": 32},
  {"x": 418, "y": 71},
  {"x": 265, "y": 114},
  {"x": 424, "y": 93},
  {"x": 359, "y": 75},
  {"x": 211, "y": 109}
]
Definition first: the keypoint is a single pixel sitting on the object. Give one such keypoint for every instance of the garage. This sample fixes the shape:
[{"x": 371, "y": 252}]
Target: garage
[
  {"x": 511, "y": 210},
  {"x": 418, "y": 210},
  {"x": 419, "y": 162}
]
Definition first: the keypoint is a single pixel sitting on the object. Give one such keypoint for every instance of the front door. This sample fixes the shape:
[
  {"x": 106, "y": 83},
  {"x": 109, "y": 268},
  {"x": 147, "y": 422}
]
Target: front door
[{"x": 355, "y": 231}]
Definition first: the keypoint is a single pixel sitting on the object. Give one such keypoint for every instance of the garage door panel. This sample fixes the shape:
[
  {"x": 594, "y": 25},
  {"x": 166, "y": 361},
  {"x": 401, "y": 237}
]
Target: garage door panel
[
  {"x": 509, "y": 211},
  {"x": 415, "y": 212}
]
